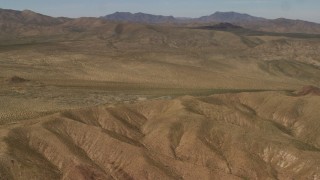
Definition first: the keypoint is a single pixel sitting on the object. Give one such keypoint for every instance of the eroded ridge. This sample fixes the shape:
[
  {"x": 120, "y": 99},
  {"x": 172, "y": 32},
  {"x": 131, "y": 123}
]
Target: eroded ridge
[{"x": 263, "y": 135}]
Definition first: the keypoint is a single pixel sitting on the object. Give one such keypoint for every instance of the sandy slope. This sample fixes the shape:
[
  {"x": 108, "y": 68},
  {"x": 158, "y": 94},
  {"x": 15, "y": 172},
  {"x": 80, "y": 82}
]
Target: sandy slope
[{"x": 266, "y": 135}]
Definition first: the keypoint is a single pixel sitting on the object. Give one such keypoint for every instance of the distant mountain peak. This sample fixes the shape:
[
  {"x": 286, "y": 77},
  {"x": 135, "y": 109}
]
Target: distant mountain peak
[
  {"x": 117, "y": 13},
  {"x": 139, "y": 17},
  {"x": 229, "y": 17},
  {"x": 230, "y": 12},
  {"x": 28, "y": 11},
  {"x": 27, "y": 17}
]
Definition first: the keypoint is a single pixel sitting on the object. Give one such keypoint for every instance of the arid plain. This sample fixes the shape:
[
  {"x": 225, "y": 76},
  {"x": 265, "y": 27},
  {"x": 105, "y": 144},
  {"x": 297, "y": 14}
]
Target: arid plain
[{"x": 90, "y": 98}]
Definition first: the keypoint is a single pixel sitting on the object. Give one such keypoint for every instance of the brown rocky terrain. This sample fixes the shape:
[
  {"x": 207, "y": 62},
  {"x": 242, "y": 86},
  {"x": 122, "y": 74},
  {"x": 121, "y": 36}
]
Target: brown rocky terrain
[
  {"x": 88, "y": 98},
  {"x": 262, "y": 135}
]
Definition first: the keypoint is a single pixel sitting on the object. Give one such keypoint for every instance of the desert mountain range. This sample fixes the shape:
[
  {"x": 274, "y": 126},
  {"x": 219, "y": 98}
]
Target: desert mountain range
[
  {"x": 229, "y": 96},
  {"x": 244, "y": 20},
  {"x": 9, "y": 18}
]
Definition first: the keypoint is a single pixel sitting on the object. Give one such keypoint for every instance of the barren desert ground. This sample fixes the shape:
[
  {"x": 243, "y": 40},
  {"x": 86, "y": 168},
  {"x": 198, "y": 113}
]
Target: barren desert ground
[{"x": 89, "y": 98}]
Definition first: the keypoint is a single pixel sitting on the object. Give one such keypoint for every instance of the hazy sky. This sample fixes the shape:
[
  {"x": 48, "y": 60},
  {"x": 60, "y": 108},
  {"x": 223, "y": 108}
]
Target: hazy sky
[{"x": 294, "y": 9}]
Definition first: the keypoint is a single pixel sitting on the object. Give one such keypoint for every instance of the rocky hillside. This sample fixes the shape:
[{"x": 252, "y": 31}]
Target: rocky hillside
[{"x": 266, "y": 135}]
